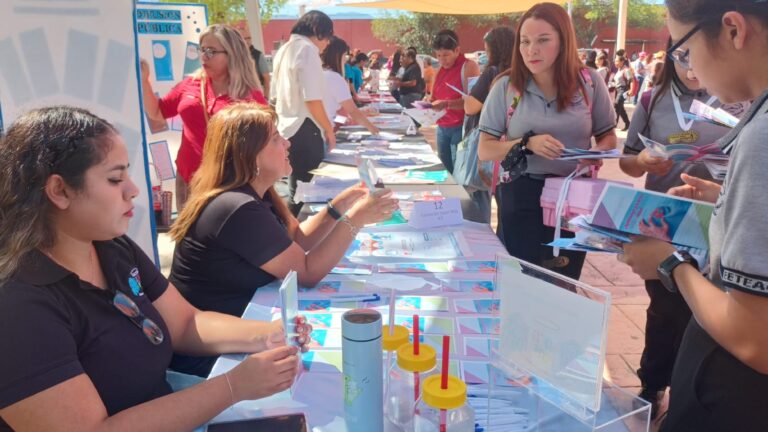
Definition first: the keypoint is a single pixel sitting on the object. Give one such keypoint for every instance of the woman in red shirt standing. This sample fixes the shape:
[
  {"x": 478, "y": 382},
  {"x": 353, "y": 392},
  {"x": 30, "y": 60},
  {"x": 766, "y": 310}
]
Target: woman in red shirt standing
[
  {"x": 455, "y": 70},
  {"x": 227, "y": 74}
]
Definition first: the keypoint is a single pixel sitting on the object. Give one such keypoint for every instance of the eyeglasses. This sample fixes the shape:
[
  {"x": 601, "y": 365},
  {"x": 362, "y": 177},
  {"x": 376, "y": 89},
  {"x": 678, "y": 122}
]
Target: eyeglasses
[
  {"x": 127, "y": 307},
  {"x": 679, "y": 55},
  {"x": 209, "y": 53}
]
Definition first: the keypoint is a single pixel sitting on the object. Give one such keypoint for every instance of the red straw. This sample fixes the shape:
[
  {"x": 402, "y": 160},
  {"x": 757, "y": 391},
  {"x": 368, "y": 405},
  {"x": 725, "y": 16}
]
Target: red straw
[
  {"x": 446, "y": 348},
  {"x": 415, "y": 335}
]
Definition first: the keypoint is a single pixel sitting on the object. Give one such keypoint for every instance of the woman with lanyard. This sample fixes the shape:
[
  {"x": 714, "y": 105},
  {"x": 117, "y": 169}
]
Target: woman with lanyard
[
  {"x": 447, "y": 91},
  {"x": 498, "y": 44},
  {"x": 560, "y": 105},
  {"x": 660, "y": 117},
  {"x": 720, "y": 376},
  {"x": 228, "y": 74},
  {"x": 87, "y": 321}
]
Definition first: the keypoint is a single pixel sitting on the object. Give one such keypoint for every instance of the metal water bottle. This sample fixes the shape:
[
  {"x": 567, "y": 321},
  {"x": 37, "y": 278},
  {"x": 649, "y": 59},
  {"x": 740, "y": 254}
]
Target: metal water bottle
[{"x": 362, "y": 368}]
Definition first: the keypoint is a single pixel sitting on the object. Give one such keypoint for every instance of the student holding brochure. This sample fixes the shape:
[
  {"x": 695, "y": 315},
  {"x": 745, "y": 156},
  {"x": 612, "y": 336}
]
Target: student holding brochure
[
  {"x": 660, "y": 117},
  {"x": 545, "y": 103},
  {"x": 721, "y": 374},
  {"x": 237, "y": 234}
]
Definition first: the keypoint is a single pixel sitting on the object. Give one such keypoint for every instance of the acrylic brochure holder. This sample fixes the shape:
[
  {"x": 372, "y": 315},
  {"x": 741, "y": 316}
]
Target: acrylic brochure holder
[{"x": 552, "y": 342}]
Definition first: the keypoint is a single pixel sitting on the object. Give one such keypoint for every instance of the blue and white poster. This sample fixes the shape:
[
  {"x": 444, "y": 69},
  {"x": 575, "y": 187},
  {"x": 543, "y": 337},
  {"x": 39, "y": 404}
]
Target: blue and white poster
[
  {"x": 80, "y": 53},
  {"x": 168, "y": 36}
]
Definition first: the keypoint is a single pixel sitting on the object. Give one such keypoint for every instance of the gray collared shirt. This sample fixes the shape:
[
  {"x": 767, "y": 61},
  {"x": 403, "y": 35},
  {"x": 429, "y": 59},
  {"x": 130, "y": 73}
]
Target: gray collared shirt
[{"x": 574, "y": 126}]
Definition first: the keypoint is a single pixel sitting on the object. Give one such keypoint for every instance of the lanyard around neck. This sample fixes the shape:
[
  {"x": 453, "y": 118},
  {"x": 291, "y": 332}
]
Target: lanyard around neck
[{"x": 685, "y": 126}]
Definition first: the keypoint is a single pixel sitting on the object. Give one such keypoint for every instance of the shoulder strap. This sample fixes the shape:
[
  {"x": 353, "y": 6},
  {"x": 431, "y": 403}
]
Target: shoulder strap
[
  {"x": 587, "y": 78},
  {"x": 510, "y": 111}
]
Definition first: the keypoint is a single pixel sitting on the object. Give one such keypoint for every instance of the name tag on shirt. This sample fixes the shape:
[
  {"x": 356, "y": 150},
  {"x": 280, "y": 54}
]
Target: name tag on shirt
[{"x": 433, "y": 214}]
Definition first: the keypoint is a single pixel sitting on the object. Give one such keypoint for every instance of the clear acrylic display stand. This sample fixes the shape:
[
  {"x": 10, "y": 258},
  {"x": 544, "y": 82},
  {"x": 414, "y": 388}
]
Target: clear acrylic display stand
[{"x": 551, "y": 354}]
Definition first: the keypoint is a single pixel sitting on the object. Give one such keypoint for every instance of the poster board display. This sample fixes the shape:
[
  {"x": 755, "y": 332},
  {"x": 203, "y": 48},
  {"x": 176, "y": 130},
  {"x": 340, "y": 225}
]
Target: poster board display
[{"x": 81, "y": 54}]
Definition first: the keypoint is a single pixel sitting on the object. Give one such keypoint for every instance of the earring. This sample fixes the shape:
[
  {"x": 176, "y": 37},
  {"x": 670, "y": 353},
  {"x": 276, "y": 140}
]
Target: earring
[{"x": 257, "y": 171}]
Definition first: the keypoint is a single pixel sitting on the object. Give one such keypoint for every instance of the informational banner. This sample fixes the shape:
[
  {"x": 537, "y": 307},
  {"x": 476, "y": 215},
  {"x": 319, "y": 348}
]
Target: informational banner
[
  {"x": 80, "y": 53},
  {"x": 168, "y": 36}
]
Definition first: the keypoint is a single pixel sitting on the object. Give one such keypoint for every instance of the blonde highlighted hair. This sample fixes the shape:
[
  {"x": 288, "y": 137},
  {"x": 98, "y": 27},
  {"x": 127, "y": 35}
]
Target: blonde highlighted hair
[
  {"x": 241, "y": 68},
  {"x": 236, "y": 135}
]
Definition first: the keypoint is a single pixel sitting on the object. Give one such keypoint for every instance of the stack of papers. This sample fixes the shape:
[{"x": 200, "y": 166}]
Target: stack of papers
[
  {"x": 573, "y": 154},
  {"x": 718, "y": 167},
  {"x": 623, "y": 211},
  {"x": 594, "y": 238}
]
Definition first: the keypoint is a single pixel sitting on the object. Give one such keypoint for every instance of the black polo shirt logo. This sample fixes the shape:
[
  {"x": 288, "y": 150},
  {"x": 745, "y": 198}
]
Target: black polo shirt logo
[{"x": 134, "y": 281}]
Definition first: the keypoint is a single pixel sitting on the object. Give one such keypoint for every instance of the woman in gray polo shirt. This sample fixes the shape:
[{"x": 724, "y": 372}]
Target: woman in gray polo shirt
[
  {"x": 659, "y": 116},
  {"x": 560, "y": 106},
  {"x": 720, "y": 377}
]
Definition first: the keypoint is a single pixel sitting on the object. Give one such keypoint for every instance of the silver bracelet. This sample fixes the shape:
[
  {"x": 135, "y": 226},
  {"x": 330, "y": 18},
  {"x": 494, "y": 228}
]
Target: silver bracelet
[{"x": 352, "y": 228}]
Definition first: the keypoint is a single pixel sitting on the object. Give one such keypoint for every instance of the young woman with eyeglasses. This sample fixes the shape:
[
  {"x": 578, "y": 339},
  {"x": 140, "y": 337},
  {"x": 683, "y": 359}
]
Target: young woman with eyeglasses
[
  {"x": 228, "y": 73},
  {"x": 88, "y": 324},
  {"x": 720, "y": 376},
  {"x": 660, "y": 116}
]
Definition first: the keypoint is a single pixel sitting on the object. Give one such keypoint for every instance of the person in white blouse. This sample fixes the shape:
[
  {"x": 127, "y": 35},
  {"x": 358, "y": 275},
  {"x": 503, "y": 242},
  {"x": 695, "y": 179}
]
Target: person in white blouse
[{"x": 337, "y": 94}]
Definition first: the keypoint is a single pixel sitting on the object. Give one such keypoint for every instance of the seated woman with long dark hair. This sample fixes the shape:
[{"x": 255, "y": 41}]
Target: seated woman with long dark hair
[
  {"x": 87, "y": 322},
  {"x": 236, "y": 234}
]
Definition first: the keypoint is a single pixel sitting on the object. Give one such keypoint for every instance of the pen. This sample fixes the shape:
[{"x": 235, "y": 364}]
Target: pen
[{"x": 356, "y": 298}]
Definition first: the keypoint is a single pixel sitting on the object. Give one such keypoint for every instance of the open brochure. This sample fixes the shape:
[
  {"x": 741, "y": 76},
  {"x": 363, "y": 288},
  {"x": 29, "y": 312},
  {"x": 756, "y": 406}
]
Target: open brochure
[
  {"x": 682, "y": 152},
  {"x": 681, "y": 221}
]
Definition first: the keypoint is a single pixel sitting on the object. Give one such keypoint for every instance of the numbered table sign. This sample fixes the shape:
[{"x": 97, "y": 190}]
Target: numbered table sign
[{"x": 433, "y": 214}]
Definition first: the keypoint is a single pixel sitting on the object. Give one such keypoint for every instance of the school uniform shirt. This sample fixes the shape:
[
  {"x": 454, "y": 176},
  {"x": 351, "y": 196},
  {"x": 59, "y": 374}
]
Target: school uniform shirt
[
  {"x": 665, "y": 127},
  {"x": 574, "y": 126},
  {"x": 738, "y": 233},
  {"x": 297, "y": 78},
  {"x": 55, "y": 327},
  {"x": 336, "y": 92},
  {"x": 412, "y": 73},
  {"x": 216, "y": 266},
  {"x": 184, "y": 100},
  {"x": 708, "y": 381}
]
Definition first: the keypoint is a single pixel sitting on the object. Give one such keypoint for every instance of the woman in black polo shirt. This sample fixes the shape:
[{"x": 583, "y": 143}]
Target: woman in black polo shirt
[
  {"x": 236, "y": 234},
  {"x": 87, "y": 322}
]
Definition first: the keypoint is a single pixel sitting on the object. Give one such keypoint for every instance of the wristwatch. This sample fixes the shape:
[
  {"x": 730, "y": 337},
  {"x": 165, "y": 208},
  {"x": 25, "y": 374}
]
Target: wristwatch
[
  {"x": 667, "y": 266},
  {"x": 332, "y": 210}
]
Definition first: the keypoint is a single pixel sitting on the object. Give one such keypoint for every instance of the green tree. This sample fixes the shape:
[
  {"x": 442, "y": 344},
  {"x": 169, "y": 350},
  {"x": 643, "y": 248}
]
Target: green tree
[
  {"x": 417, "y": 29},
  {"x": 589, "y": 15},
  {"x": 230, "y": 11}
]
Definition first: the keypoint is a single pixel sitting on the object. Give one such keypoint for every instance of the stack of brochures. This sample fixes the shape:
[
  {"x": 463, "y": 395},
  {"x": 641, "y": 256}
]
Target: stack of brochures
[{"x": 624, "y": 211}]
